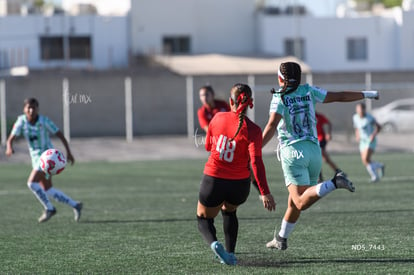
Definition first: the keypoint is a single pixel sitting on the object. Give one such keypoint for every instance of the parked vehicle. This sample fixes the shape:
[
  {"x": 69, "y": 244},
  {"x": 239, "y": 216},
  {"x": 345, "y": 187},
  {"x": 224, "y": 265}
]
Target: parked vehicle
[{"x": 396, "y": 116}]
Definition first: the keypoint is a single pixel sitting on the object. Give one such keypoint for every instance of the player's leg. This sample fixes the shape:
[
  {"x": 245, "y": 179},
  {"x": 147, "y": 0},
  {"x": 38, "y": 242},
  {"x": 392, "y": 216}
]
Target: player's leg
[
  {"x": 366, "y": 154},
  {"x": 34, "y": 184},
  {"x": 61, "y": 197},
  {"x": 210, "y": 201},
  {"x": 328, "y": 160},
  {"x": 238, "y": 192}
]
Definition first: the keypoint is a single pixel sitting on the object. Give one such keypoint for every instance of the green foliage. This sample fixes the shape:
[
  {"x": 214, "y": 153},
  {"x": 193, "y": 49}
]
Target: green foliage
[
  {"x": 387, "y": 3},
  {"x": 139, "y": 218}
]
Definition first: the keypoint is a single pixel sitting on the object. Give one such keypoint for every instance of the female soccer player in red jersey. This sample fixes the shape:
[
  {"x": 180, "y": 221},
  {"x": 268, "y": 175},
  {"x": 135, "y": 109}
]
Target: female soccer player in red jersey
[
  {"x": 234, "y": 141},
  {"x": 211, "y": 106},
  {"x": 324, "y": 138}
]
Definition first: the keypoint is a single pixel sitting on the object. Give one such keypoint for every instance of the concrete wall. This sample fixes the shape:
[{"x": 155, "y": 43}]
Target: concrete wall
[
  {"x": 159, "y": 98},
  {"x": 214, "y": 26}
]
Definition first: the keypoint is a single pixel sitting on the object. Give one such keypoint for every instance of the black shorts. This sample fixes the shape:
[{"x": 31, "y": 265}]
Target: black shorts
[
  {"x": 322, "y": 144},
  {"x": 215, "y": 191}
]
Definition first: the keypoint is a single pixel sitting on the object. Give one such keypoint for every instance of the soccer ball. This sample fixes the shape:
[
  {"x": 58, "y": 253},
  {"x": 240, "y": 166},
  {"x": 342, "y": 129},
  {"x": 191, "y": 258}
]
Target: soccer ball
[{"x": 52, "y": 162}]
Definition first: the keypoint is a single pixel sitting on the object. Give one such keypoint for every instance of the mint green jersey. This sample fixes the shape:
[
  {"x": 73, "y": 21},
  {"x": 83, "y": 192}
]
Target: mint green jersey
[
  {"x": 36, "y": 135},
  {"x": 298, "y": 112}
]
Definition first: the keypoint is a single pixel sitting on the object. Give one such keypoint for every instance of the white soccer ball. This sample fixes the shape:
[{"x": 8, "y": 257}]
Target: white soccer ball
[{"x": 52, "y": 162}]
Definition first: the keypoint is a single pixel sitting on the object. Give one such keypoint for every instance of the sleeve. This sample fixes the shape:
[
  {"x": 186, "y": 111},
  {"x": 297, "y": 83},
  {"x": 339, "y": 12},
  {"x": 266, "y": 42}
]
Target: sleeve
[
  {"x": 209, "y": 139},
  {"x": 355, "y": 122},
  {"x": 276, "y": 106},
  {"x": 256, "y": 161},
  {"x": 51, "y": 127},
  {"x": 201, "y": 118},
  {"x": 318, "y": 94},
  {"x": 17, "y": 127}
]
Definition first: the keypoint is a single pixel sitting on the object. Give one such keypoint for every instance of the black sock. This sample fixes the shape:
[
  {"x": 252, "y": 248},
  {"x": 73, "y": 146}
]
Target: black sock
[
  {"x": 230, "y": 228},
  {"x": 207, "y": 229}
]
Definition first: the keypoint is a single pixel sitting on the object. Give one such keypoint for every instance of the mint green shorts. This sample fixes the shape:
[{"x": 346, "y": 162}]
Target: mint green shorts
[
  {"x": 367, "y": 144},
  {"x": 301, "y": 163}
]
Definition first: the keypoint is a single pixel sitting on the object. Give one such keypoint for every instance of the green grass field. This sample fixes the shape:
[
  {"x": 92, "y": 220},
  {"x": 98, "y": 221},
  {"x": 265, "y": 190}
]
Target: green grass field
[{"x": 139, "y": 218}]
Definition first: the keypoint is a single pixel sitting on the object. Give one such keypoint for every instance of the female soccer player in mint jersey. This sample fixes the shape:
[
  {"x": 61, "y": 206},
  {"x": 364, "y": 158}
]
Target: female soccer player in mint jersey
[
  {"x": 36, "y": 128},
  {"x": 366, "y": 131},
  {"x": 292, "y": 114},
  {"x": 234, "y": 141}
]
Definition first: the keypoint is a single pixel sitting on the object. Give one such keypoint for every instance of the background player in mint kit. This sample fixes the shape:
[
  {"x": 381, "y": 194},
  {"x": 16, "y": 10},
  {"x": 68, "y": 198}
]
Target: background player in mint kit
[
  {"x": 36, "y": 129},
  {"x": 292, "y": 114},
  {"x": 234, "y": 141},
  {"x": 366, "y": 131}
]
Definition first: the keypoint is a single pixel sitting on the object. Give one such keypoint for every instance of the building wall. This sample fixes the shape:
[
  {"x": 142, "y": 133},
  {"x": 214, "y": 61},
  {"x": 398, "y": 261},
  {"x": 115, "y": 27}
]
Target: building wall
[
  {"x": 97, "y": 101},
  {"x": 326, "y": 40},
  {"x": 19, "y": 40},
  {"x": 214, "y": 26}
]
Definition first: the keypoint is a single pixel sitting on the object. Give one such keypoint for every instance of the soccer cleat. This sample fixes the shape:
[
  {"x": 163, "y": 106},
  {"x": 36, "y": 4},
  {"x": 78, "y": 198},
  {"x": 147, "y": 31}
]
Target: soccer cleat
[
  {"x": 341, "y": 181},
  {"x": 278, "y": 243},
  {"x": 47, "y": 214},
  {"x": 77, "y": 211},
  {"x": 226, "y": 258}
]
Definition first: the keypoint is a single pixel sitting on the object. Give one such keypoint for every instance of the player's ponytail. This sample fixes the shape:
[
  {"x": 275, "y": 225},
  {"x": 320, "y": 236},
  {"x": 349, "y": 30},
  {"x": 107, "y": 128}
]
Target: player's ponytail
[
  {"x": 290, "y": 73},
  {"x": 242, "y": 97}
]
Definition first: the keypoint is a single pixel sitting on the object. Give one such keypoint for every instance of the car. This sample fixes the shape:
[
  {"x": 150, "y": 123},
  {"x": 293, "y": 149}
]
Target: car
[{"x": 396, "y": 116}]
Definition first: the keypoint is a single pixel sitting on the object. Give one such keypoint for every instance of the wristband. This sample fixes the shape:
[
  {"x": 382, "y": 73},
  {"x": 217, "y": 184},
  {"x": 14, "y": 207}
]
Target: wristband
[{"x": 370, "y": 94}]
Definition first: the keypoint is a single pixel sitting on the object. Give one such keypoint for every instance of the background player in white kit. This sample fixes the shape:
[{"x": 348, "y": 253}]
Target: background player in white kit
[{"x": 36, "y": 128}]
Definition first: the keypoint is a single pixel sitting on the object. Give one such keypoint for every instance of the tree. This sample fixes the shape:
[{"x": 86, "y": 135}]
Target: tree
[{"x": 386, "y": 3}]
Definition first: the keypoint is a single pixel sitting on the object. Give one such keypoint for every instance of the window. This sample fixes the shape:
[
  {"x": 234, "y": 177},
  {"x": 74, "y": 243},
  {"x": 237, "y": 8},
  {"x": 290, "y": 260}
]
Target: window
[
  {"x": 357, "y": 49},
  {"x": 176, "y": 44},
  {"x": 51, "y": 47},
  {"x": 295, "y": 47},
  {"x": 79, "y": 47}
]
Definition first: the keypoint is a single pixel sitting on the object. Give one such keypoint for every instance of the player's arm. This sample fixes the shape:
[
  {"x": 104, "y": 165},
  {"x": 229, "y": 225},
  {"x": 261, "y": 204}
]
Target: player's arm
[
  {"x": 377, "y": 129},
  {"x": 259, "y": 172},
  {"x": 348, "y": 96},
  {"x": 271, "y": 126},
  {"x": 9, "y": 145},
  {"x": 328, "y": 130},
  {"x": 65, "y": 143},
  {"x": 357, "y": 134}
]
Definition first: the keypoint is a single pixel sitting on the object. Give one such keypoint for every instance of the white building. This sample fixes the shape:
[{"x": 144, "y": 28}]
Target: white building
[
  {"x": 240, "y": 27},
  {"x": 189, "y": 27},
  {"x": 60, "y": 41}
]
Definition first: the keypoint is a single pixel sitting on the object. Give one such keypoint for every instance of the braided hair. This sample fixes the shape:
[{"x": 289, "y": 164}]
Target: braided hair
[
  {"x": 242, "y": 97},
  {"x": 290, "y": 73}
]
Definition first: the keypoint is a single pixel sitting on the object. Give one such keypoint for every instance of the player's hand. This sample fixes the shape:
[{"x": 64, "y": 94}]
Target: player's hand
[
  {"x": 9, "y": 151},
  {"x": 268, "y": 202},
  {"x": 70, "y": 158},
  {"x": 328, "y": 137}
]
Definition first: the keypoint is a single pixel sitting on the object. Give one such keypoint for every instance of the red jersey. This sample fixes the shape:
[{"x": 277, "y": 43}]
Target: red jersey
[
  {"x": 320, "y": 121},
  {"x": 230, "y": 159},
  {"x": 206, "y": 114}
]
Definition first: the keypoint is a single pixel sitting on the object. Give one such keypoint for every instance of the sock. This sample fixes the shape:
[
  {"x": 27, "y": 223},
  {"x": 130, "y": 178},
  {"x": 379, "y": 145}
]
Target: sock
[
  {"x": 286, "y": 228},
  {"x": 377, "y": 165},
  {"x": 325, "y": 188},
  {"x": 40, "y": 195},
  {"x": 60, "y": 196},
  {"x": 371, "y": 171},
  {"x": 230, "y": 228},
  {"x": 207, "y": 229}
]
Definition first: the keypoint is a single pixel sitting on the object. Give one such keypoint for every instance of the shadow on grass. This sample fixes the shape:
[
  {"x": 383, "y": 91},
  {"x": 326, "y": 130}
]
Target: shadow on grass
[
  {"x": 287, "y": 263},
  {"x": 166, "y": 220}
]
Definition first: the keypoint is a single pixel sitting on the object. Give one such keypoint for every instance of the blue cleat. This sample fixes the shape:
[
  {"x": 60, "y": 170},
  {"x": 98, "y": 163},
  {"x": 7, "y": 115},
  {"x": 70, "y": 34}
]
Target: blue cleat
[{"x": 226, "y": 258}]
